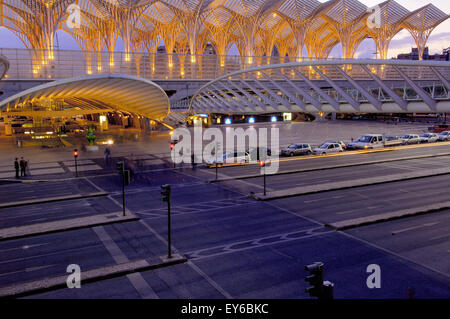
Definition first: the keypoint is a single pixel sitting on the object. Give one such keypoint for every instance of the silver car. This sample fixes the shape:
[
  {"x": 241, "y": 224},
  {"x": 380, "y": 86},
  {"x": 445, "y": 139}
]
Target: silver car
[
  {"x": 411, "y": 139},
  {"x": 444, "y": 136},
  {"x": 428, "y": 138},
  {"x": 328, "y": 148},
  {"x": 296, "y": 149}
]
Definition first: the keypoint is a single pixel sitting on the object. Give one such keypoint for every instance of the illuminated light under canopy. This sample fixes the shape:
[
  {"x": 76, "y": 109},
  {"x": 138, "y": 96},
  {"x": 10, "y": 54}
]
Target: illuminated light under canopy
[
  {"x": 228, "y": 121},
  {"x": 273, "y": 119},
  {"x": 251, "y": 120}
]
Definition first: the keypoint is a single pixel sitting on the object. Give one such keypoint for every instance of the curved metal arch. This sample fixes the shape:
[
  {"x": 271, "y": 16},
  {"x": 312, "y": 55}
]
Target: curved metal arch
[{"x": 377, "y": 72}]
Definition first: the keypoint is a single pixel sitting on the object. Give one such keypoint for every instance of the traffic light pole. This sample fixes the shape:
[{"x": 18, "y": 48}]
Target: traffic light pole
[
  {"x": 123, "y": 188},
  {"x": 166, "y": 198},
  {"x": 169, "y": 235},
  {"x": 264, "y": 180}
]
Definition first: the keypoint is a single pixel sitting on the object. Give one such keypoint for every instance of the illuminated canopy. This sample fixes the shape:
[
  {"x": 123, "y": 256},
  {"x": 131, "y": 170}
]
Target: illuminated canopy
[
  {"x": 186, "y": 26},
  {"x": 90, "y": 94}
]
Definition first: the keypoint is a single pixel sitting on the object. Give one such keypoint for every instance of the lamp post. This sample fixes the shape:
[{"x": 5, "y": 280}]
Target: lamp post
[
  {"x": 75, "y": 156},
  {"x": 263, "y": 165}
]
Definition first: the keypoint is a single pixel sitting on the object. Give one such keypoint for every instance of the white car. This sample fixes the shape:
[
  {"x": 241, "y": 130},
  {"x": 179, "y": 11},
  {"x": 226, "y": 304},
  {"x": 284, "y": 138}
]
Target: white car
[
  {"x": 411, "y": 139},
  {"x": 444, "y": 136},
  {"x": 428, "y": 138},
  {"x": 328, "y": 148},
  {"x": 233, "y": 158},
  {"x": 370, "y": 141}
]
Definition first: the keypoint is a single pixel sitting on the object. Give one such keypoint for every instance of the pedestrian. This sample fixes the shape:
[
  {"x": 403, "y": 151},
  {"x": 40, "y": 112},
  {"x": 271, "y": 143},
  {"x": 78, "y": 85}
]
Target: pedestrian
[
  {"x": 16, "y": 167},
  {"x": 107, "y": 157},
  {"x": 193, "y": 158},
  {"x": 22, "y": 166},
  {"x": 27, "y": 169}
]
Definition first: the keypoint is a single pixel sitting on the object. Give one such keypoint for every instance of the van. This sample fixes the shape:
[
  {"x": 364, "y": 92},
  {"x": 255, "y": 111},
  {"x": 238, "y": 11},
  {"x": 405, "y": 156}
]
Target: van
[{"x": 370, "y": 141}]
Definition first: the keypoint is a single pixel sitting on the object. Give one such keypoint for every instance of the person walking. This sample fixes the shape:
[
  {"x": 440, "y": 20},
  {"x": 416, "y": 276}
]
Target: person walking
[
  {"x": 107, "y": 154},
  {"x": 16, "y": 167},
  {"x": 22, "y": 166}
]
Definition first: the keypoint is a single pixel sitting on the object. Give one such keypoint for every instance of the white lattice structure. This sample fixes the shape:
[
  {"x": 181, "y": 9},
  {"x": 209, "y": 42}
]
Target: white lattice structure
[
  {"x": 343, "y": 86},
  {"x": 256, "y": 27}
]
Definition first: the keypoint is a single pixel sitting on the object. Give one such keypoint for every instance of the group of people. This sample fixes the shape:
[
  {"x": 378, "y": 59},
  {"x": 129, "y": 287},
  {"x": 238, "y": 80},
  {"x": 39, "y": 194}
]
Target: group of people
[{"x": 22, "y": 167}]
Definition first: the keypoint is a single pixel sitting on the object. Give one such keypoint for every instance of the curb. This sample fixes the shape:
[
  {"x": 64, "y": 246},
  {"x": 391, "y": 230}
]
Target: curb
[
  {"x": 51, "y": 199},
  {"x": 297, "y": 191},
  {"x": 49, "y": 284},
  {"x": 384, "y": 217},
  {"x": 64, "y": 225},
  {"x": 329, "y": 167}
]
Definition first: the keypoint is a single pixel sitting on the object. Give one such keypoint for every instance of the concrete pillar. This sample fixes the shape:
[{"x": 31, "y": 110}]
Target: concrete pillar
[
  {"x": 137, "y": 121},
  {"x": 333, "y": 116},
  {"x": 8, "y": 129}
]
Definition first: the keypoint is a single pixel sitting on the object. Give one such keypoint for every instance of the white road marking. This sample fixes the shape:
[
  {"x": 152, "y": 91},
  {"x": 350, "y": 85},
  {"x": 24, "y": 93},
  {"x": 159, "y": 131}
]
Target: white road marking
[{"x": 395, "y": 232}]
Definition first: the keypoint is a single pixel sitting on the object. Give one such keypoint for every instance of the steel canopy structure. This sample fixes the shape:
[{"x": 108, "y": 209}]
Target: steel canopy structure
[
  {"x": 90, "y": 94},
  {"x": 185, "y": 27},
  {"x": 4, "y": 66},
  {"x": 342, "y": 86}
]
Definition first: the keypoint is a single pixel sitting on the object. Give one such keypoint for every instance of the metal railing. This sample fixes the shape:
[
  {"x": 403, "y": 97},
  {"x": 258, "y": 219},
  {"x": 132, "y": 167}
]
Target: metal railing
[{"x": 60, "y": 64}]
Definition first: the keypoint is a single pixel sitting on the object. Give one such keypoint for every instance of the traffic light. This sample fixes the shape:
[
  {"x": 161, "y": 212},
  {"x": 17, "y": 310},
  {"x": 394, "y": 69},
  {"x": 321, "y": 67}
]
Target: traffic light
[
  {"x": 120, "y": 167},
  {"x": 315, "y": 279},
  {"x": 165, "y": 192},
  {"x": 172, "y": 144},
  {"x": 75, "y": 153}
]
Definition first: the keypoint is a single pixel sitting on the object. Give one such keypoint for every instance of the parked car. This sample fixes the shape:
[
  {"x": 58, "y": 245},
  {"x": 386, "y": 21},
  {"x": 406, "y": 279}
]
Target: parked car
[
  {"x": 255, "y": 153},
  {"x": 370, "y": 141},
  {"x": 328, "y": 148},
  {"x": 411, "y": 139},
  {"x": 343, "y": 145},
  {"x": 444, "y": 136},
  {"x": 352, "y": 145},
  {"x": 428, "y": 138},
  {"x": 233, "y": 158},
  {"x": 392, "y": 141},
  {"x": 296, "y": 149}
]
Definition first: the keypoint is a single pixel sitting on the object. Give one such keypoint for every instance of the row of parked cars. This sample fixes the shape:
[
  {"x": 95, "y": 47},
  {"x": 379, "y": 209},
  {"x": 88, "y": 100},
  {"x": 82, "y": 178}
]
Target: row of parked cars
[{"x": 368, "y": 141}]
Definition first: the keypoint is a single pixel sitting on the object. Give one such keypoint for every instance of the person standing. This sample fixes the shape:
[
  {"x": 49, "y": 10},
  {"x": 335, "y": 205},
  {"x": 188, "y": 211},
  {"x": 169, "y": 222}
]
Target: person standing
[
  {"x": 193, "y": 161},
  {"x": 22, "y": 166},
  {"x": 27, "y": 169},
  {"x": 16, "y": 167},
  {"x": 107, "y": 156}
]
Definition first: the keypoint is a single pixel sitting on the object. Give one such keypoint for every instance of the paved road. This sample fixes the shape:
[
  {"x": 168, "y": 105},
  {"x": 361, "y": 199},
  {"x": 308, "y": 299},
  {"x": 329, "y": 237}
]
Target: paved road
[
  {"x": 241, "y": 248},
  {"x": 423, "y": 239},
  {"x": 308, "y": 162}
]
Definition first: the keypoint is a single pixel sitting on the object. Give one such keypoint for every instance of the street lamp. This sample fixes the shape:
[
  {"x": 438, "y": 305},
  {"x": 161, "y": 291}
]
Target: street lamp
[
  {"x": 75, "y": 156},
  {"x": 263, "y": 165}
]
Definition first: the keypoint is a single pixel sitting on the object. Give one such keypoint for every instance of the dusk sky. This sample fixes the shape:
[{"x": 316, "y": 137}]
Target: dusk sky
[{"x": 402, "y": 43}]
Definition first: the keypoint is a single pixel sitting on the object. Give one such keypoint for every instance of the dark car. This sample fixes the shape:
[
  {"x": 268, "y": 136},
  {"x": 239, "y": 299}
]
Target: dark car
[{"x": 296, "y": 149}]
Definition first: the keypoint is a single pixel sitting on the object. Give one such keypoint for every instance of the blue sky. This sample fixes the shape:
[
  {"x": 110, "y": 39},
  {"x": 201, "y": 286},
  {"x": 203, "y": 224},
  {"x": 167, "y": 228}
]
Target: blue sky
[{"x": 402, "y": 43}]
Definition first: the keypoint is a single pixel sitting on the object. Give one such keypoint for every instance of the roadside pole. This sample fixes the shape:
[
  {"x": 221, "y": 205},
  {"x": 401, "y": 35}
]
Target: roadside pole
[{"x": 165, "y": 192}]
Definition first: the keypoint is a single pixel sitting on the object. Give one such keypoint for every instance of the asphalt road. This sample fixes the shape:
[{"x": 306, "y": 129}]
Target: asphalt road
[
  {"x": 241, "y": 248},
  {"x": 345, "y": 158}
]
